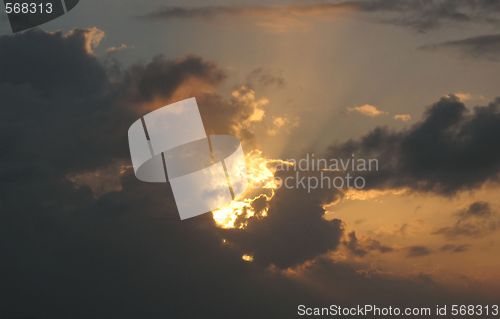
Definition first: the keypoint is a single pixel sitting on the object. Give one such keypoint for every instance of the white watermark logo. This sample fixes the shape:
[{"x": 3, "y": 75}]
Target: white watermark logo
[{"x": 170, "y": 145}]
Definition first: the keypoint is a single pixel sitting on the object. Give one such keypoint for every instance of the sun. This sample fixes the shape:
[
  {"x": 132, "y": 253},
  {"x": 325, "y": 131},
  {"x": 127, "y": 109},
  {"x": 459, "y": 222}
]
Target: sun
[{"x": 254, "y": 202}]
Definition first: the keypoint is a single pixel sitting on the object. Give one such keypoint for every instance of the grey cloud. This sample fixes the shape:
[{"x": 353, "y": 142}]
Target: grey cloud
[
  {"x": 477, "y": 209},
  {"x": 293, "y": 232},
  {"x": 418, "y": 251},
  {"x": 420, "y": 15},
  {"x": 159, "y": 78},
  {"x": 427, "y": 15},
  {"x": 351, "y": 285},
  {"x": 205, "y": 12},
  {"x": 477, "y": 220},
  {"x": 451, "y": 149},
  {"x": 451, "y": 248},
  {"x": 484, "y": 46},
  {"x": 58, "y": 100},
  {"x": 262, "y": 77},
  {"x": 358, "y": 248},
  {"x": 353, "y": 245},
  {"x": 45, "y": 66}
]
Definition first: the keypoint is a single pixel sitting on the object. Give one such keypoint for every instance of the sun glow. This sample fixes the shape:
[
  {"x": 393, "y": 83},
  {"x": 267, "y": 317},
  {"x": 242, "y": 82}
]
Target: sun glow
[
  {"x": 254, "y": 203},
  {"x": 247, "y": 258}
]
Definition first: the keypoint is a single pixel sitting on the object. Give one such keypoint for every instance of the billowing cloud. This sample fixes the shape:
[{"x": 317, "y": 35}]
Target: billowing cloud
[
  {"x": 452, "y": 148},
  {"x": 293, "y": 232},
  {"x": 162, "y": 79}
]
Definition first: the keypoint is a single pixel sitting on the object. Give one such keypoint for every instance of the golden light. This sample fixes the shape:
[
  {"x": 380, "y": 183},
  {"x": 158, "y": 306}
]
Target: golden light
[
  {"x": 247, "y": 258},
  {"x": 254, "y": 203}
]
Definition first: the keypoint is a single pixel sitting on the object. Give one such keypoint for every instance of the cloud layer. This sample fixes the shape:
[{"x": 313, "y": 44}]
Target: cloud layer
[{"x": 422, "y": 16}]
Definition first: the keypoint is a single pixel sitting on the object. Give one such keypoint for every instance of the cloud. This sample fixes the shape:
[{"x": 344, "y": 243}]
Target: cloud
[
  {"x": 92, "y": 37},
  {"x": 115, "y": 49},
  {"x": 293, "y": 232},
  {"x": 428, "y": 15},
  {"x": 240, "y": 115},
  {"x": 422, "y": 16},
  {"x": 451, "y": 248},
  {"x": 451, "y": 149},
  {"x": 274, "y": 18},
  {"x": 82, "y": 227},
  {"x": 463, "y": 96},
  {"x": 313, "y": 9},
  {"x": 162, "y": 79},
  {"x": 476, "y": 221},
  {"x": 418, "y": 251},
  {"x": 262, "y": 77},
  {"x": 367, "y": 110},
  {"x": 476, "y": 209},
  {"x": 484, "y": 46},
  {"x": 402, "y": 117},
  {"x": 46, "y": 69},
  {"x": 362, "y": 248}
]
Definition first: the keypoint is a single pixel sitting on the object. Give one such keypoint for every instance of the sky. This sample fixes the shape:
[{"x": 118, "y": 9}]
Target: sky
[{"x": 413, "y": 84}]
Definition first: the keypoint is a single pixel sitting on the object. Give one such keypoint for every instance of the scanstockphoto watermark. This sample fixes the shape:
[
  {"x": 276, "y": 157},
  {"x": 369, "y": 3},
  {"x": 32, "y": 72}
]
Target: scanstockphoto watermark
[{"x": 312, "y": 172}]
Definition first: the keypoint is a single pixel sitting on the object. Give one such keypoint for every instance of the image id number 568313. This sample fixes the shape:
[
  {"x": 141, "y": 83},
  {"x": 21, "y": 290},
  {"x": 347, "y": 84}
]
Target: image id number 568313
[{"x": 28, "y": 7}]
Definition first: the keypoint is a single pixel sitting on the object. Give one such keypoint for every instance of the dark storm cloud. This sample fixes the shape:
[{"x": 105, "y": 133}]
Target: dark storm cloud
[
  {"x": 476, "y": 209},
  {"x": 294, "y": 231},
  {"x": 418, "y": 251},
  {"x": 58, "y": 100},
  {"x": 47, "y": 67},
  {"x": 451, "y": 149},
  {"x": 160, "y": 77},
  {"x": 477, "y": 220},
  {"x": 484, "y": 46}
]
